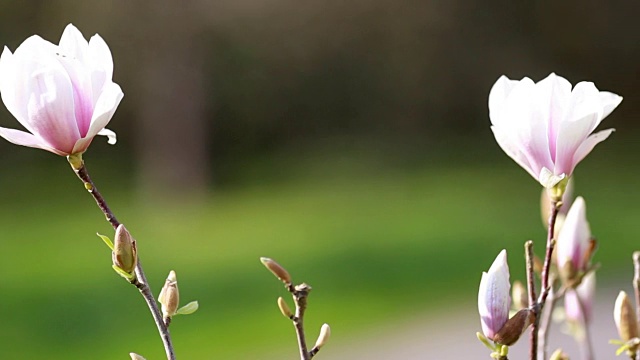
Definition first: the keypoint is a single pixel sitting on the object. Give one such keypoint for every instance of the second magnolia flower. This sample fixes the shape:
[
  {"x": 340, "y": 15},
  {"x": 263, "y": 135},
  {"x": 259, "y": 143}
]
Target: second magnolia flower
[{"x": 546, "y": 127}]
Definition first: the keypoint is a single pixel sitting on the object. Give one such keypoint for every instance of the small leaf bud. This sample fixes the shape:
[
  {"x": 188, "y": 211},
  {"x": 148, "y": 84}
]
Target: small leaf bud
[
  {"x": 276, "y": 269},
  {"x": 169, "y": 296},
  {"x": 125, "y": 253},
  {"x": 559, "y": 355},
  {"x": 188, "y": 309},
  {"x": 325, "y": 333},
  {"x": 514, "y": 327},
  {"x": 284, "y": 308}
]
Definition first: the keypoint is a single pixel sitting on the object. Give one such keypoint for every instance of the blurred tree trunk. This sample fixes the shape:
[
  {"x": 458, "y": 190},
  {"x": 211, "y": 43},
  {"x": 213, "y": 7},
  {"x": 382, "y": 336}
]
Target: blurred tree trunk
[{"x": 170, "y": 113}]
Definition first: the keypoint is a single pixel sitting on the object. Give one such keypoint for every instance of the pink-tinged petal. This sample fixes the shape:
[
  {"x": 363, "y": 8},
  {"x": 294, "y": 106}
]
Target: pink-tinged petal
[
  {"x": 588, "y": 144},
  {"x": 50, "y": 108},
  {"x": 551, "y": 100},
  {"x": 82, "y": 144},
  {"x": 493, "y": 296},
  {"x": 573, "y": 134},
  {"x": 26, "y": 139},
  {"x": 527, "y": 126},
  {"x": 105, "y": 108},
  {"x": 574, "y": 237},
  {"x": 578, "y": 303}
]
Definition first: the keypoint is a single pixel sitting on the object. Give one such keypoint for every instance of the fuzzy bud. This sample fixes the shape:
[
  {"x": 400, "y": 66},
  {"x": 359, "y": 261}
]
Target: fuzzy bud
[
  {"x": 284, "y": 308},
  {"x": 519, "y": 295},
  {"x": 514, "y": 327},
  {"x": 276, "y": 269},
  {"x": 169, "y": 296},
  {"x": 125, "y": 253},
  {"x": 625, "y": 317},
  {"x": 325, "y": 333},
  {"x": 135, "y": 356}
]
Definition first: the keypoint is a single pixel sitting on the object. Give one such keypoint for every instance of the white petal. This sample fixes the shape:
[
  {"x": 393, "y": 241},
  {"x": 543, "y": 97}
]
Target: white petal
[
  {"x": 551, "y": 100},
  {"x": 588, "y": 145},
  {"x": 101, "y": 56},
  {"x": 111, "y": 136},
  {"x": 105, "y": 108},
  {"x": 609, "y": 101},
  {"x": 548, "y": 179},
  {"x": 73, "y": 44},
  {"x": 499, "y": 93},
  {"x": 513, "y": 151},
  {"x": 571, "y": 135}
]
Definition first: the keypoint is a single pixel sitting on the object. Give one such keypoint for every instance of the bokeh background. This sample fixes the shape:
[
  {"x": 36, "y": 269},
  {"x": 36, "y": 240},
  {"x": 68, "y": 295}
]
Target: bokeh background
[{"x": 350, "y": 141}]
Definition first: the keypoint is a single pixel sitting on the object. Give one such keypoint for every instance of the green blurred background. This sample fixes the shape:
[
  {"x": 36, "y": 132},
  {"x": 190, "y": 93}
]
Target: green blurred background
[{"x": 349, "y": 141}]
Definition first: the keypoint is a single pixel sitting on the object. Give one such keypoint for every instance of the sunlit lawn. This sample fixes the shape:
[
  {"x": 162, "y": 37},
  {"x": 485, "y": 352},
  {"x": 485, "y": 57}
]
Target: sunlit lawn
[{"x": 376, "y": 246}]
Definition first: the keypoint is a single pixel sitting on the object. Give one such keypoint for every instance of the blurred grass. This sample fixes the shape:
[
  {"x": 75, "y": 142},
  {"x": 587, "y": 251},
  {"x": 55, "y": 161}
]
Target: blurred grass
[{"x": 377, "y": 243}]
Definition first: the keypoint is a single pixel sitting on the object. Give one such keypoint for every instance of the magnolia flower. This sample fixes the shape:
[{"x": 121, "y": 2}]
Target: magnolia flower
[
  {"x": 493, "y": 296},
  {"x": 62, "y": 94},
  {"x": 546, "y": 126},
  {"x": 578, "y": 302},
  {"x": 574, "y": 241}
]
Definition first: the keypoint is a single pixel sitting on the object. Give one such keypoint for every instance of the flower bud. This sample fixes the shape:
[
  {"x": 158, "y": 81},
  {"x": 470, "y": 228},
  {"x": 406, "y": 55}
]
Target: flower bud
[
  {"x": 578, "y": 302},
  {"x": 276, "y": 269},
  {"x": 493, "y": 296},
  {"x": 169, "y": 296},
  {"x": 519, "y": 295},
  {"x": 574, "y": 242},
  {"x": 135, "y": 356},
  {"x": 625, "y": 318},
  {"x": 125, "y": 253},
  {"x": 325, "y": 333},
  {"x": 284, "y": 308},
  {"x": 514, "y": 327}
]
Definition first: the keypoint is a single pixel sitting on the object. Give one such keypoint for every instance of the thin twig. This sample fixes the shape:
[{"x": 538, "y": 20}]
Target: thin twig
[
  {"x": 140, "y": 282},
  {"x": 531, "y": 290},
  {"x": 545, "y": 318},
  {"x": 300, "y": 294},
  {"x": 545, "y": 288},
  {"x": 636, "y": 289}
]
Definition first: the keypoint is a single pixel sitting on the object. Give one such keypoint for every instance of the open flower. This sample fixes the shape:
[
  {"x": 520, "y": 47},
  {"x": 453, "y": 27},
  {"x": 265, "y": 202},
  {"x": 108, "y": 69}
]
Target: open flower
[
  {"x": 546, "y": 126},
  {"x": 574, "y": 241},
  {"x": 62, "y": 94},
  {"x": 493, "y": 296}
]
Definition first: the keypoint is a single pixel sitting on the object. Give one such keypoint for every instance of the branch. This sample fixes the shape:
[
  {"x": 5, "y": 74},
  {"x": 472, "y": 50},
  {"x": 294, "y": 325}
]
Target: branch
[
  {"x": 140, "y": 282},
  {"x": 545, "y": 288},
  {"x": 300, "y": 293},
  {"x": 531, "y": 290}
]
